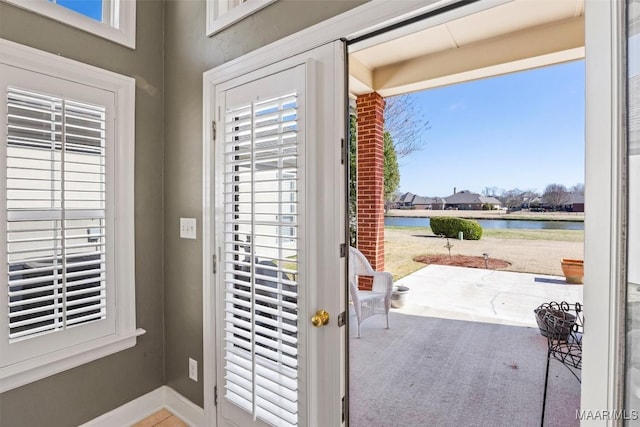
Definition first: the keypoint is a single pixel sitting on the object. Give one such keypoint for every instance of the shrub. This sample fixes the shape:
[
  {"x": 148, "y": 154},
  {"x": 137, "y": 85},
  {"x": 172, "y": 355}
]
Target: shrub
[{"x": 450, "y": 227}]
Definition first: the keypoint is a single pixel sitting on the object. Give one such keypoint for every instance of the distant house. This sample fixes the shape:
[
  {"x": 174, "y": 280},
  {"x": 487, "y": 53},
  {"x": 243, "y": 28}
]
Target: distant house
[
  {"x": 437, "y": 203},
  {"x": 412, "y": 201},
  {"x": 466, "y": 200},
  {"x": 420, "y": 202},
  {"x": 531, "y": 201},
  {"x": 490, "y": 201},
  {"x": 575, "y": 204},
  {"x": 405, "y": 201}
]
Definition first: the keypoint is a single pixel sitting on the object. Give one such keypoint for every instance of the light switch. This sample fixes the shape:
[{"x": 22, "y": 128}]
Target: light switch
[{"x": 187, "y": 228}]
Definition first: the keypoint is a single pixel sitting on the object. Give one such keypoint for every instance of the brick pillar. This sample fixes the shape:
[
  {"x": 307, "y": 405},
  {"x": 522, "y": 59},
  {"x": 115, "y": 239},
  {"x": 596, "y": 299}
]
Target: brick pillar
[{"x": 370, "y": 109}]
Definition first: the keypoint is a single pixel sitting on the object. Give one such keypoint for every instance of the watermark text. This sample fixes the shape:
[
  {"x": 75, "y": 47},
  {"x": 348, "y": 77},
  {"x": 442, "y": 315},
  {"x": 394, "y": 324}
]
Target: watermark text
[{"x": 605, "y": 415}]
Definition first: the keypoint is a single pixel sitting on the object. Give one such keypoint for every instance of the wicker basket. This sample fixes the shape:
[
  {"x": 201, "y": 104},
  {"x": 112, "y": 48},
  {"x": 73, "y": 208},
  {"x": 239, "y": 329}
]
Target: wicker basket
[{"x": 563, "y": 328}]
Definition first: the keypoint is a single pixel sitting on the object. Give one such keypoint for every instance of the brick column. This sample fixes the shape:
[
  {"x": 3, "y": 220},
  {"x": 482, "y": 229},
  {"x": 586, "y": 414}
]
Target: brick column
[{"x": 370, "y": 110}]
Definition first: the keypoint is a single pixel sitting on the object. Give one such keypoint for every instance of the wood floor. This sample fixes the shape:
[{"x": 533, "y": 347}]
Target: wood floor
[{"x": 162, "y": 418}]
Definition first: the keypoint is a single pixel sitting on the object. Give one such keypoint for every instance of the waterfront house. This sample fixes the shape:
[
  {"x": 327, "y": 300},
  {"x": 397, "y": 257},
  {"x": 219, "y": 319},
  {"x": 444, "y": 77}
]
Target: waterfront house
[{"x": 467, "y": 200}]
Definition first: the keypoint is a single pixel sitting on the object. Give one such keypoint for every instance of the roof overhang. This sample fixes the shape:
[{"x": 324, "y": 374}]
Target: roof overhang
[{"x": 515, "y": 36}]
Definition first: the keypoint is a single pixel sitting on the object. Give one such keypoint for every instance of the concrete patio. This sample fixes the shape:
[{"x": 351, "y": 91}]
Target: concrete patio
[
  {"x": 464, "y": 350},
  {"x": 479, "y": 295}
]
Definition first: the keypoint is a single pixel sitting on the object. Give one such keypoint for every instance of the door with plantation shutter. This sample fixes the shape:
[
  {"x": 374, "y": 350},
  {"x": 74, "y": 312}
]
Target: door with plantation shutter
[{"x": 279, "y": 196}]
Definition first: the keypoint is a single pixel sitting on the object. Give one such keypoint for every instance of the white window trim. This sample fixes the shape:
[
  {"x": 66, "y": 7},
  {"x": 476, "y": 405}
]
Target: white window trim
[
  {"x": 119, "y": 28},
  {"x": 27, "y": 371},
  {"x": 218, "y": 18}
]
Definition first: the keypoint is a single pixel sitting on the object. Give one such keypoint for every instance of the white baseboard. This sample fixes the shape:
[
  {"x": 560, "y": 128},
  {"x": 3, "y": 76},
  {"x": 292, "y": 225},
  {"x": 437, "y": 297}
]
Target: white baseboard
[
  {"x": 145, "y": 405},
  {"x": 183, "y": 408}
]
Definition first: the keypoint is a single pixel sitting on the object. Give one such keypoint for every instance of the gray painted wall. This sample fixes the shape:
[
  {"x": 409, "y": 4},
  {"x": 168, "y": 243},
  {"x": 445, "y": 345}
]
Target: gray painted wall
[
  {"x": 80, "y": 394},
  {"x": 171, "y": 55},
  {"x": 188, "y": 54}
]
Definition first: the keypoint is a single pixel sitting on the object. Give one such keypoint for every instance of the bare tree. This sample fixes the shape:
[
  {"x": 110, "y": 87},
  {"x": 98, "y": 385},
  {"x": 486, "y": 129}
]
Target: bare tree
[
  {"x": 577, "y": 189},
  {"x": 491, "y": 191},
  {"x": 512, "y": 198},
  {"x": 530, "y": 199},
  {"x": 404, "y": 120},
  {"x": 516, "y": 198},
  {"x": 555, "y": 195}
]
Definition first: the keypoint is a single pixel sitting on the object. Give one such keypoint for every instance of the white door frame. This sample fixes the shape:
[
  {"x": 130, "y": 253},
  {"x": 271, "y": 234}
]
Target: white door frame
[
  {"x": 601, "y": 376},
  {"x": 605, "y": 211}
]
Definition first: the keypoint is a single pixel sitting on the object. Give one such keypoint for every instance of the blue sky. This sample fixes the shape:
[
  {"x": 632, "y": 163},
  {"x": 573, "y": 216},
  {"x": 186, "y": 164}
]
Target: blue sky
[
  {"x": 90, "y": 8},
  {"x": 523, "y": 130}
]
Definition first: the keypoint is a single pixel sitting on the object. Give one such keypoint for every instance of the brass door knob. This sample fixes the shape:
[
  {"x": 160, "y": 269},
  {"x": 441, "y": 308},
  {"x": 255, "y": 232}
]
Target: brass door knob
[{"x": 320, "y": 319}]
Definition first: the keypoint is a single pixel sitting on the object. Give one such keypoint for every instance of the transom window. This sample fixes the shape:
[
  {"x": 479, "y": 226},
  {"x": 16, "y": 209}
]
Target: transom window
[
  {"x": 224, "y": 13},
  {"x": 114, "y": 20},
  {"x": 94, "y": 9}
]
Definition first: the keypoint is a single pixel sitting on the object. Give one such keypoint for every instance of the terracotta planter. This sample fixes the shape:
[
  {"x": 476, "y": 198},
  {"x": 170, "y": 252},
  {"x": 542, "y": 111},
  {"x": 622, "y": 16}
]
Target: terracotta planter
[{"x": 573, "y": 270}]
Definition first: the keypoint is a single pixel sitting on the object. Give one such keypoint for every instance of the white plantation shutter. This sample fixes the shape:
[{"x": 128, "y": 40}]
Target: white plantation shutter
[
  {"x": 56, "y": 201},
  {"x": 260, "y": 258}
]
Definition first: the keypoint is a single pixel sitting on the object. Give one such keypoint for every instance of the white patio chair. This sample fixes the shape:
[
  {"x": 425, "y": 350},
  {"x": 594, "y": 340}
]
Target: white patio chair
[{"x": 375, "y": 301}]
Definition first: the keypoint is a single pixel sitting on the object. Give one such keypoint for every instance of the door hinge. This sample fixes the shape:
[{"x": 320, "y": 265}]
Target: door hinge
[
  {"x": 343, "y": 250},
  {"x": 344, "y": 408},
  {"x": 343, "y": 151},
  {"x": 215, "y": 396},
  {"x": 213, "y": 130},
  {"x": 215, "y": 264},
  {"x": 342, "y": 319}
]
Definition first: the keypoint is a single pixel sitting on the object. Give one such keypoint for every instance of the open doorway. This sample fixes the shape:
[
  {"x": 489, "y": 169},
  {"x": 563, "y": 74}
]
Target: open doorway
[
  {"x": 605, "y": 180},
  {"x": 443, "y": 362}
]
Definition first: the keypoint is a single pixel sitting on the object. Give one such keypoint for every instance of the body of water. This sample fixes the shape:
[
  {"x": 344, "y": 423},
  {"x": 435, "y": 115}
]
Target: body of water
[{"x": 494, "y": 223}]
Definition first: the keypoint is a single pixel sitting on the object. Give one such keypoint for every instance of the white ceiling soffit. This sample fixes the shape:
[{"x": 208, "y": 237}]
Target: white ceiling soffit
[{"x": 513, "y": 36}]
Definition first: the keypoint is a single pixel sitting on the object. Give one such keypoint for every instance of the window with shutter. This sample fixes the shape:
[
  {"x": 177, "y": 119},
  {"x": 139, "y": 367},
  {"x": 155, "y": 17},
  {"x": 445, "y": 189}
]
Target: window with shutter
[
  {"x": 65, "y": 175},
  {"x": 55, "y": 213},
  {"x": 260, "y": 258}
]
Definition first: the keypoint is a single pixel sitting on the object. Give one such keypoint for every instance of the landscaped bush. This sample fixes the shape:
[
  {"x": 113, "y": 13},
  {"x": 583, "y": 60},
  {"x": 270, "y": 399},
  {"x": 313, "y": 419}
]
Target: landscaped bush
[{"x": 450, "y": 227}]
